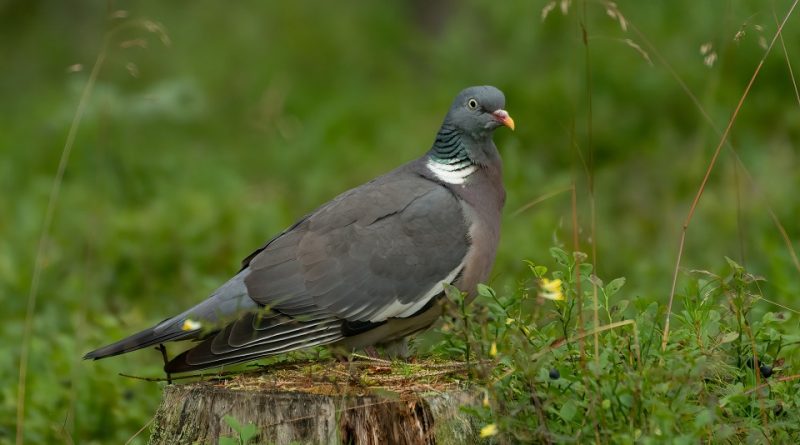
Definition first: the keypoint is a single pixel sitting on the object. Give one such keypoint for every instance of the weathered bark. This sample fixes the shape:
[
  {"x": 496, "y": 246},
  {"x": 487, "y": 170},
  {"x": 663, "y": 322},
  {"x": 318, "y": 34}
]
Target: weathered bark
[{"x": 194, "y": 413}]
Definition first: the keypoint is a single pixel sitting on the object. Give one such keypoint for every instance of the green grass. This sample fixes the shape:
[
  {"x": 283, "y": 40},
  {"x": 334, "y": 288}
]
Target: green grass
[{"x": 256, "y": 113}]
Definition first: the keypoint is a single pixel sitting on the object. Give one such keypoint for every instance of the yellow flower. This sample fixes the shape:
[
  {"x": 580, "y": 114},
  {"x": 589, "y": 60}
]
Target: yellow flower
[
  {"x": 551, "y": 285},
  {"x": 551, "y": 289},
  {"x": 509, "y": 321},
  {"x": 191, "y": 325},
  {"x": 489, "y": 430},
  {"x": 493, "y": 350}
]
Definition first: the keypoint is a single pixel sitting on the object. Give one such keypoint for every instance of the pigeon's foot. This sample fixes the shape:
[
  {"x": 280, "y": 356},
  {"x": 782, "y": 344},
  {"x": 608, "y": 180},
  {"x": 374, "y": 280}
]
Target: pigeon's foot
[
  {"x": 164, "y": 355},
  {"x": 397, "y": 349},
  {"x": 372, "y": 352}
]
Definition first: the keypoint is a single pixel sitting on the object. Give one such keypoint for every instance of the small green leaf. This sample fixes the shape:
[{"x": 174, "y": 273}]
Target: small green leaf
[
  {"x": 538, "y": 271},
  {"x": 568, "y": 410},
  {"x": 560, "y": 256},
  {"x": 247, "y": 433},
  {"x": 228, "y": 441},
  {"x": 614, "y": 286},
  {"x": 233, "y": 423},
  {"x": 452, "y": 292},
  {"x": 620, "y": 306},
  {"x": 734, "y": 265},
  {"x": 775, "y": 317},
  {"x": 485, "y": 291}
]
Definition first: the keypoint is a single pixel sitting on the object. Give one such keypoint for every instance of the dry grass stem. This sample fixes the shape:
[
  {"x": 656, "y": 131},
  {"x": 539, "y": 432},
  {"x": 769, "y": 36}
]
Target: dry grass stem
[
  {"x": 136, "y": 434},
  {"x": 541, "y": 199},
  {"x": 712, "y": 163},
  {"x": 578, "y": 291},
  {"x": 44, "y": 240},
  {"x": 699, "y": 106},
  {"x": 55, "y": 192},
  {"x": 596, "y": 331}
]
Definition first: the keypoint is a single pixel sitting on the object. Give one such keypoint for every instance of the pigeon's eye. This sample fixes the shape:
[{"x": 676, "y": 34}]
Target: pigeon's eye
[{"x": 472, "y": 104}]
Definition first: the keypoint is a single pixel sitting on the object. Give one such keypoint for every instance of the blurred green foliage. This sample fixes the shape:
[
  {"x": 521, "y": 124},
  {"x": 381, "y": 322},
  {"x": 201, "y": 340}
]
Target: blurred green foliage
[{"x": 195, "y": 152}]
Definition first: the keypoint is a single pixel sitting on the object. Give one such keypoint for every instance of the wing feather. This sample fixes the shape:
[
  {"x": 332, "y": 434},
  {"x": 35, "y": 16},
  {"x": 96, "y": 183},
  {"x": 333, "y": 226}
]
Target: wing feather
[{"x": 362, "y": 260}]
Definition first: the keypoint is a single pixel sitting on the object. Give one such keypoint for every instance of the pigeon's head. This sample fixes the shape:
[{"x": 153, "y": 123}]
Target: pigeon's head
[{"x": 477, "y": 111}]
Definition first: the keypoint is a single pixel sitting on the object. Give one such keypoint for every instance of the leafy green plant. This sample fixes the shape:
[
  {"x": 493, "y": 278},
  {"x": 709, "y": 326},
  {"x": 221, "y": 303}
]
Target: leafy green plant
[{"x": 723, "y": 378}]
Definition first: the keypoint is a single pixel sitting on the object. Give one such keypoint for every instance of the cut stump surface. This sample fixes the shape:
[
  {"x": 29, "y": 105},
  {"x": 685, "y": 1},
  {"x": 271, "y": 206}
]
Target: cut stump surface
[{"x": 371, "y": 402}]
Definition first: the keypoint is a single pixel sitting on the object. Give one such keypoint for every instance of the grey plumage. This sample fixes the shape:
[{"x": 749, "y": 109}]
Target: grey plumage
[{"x": 367, "y": 267}]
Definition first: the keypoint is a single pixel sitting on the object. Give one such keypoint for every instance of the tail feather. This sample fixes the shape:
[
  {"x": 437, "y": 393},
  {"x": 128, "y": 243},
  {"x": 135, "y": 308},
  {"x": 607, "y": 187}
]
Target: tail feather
[
  {"x": 148, "y": 337},
  {"x": 203, "y": 357},
  {"x": 230, "y": 299}
]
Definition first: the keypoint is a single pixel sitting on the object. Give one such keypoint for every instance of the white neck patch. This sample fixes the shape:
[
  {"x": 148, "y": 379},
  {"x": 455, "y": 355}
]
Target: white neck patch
[{"x": 451, "y": 173}]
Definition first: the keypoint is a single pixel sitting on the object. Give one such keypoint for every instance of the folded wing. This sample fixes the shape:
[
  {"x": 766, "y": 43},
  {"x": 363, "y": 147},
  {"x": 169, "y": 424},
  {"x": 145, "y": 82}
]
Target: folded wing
[{"x": 377, "y": 252}]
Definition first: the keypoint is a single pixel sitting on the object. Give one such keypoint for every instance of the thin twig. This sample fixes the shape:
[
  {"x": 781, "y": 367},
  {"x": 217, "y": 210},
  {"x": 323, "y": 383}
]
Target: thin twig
[
  {"x": 775, "y": 303},
  {"x": 786, "y": 56},
  {"x": 140, "y": 430},
  {"x": 767, "y": 384},
  {"x": 583, "y": 22},
  {"x": 578, "y": 290},
  {"x": 595, "y": 304},
  {"x": 590, "y": 178},
  {"x": 785, "y": 236},
  {"x": 739, "y": 216},
  {"x": 600, "y": 329},
  {"x": 540, "y": 199},
  {"x": 372, "y": 359}
]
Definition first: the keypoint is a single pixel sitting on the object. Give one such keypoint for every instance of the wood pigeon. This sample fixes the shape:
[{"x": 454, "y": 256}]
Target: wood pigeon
[{"x": 366, "y": 268}]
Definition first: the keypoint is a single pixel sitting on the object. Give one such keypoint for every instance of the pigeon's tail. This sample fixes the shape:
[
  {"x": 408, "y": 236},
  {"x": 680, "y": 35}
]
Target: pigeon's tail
[
  {"x": 148, "y": 337},
  {"x": 229, "y": 300}
]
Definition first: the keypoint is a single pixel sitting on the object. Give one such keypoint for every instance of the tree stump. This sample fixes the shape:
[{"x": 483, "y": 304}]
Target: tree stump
[{"x": 315, "y": 404}]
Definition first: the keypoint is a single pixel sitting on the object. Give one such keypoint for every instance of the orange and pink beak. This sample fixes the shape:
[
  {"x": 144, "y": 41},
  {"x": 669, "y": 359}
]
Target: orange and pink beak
[{"x": 503, "y": 117}]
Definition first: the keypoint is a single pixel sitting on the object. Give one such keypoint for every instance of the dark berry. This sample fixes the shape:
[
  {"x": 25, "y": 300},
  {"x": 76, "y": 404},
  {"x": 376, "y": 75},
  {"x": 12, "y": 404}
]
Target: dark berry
[
  {"x": 766, "y": 370},
  {"x": 554, "y": 374}
]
